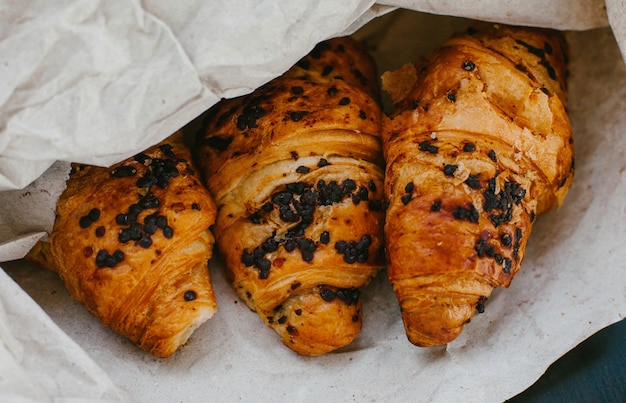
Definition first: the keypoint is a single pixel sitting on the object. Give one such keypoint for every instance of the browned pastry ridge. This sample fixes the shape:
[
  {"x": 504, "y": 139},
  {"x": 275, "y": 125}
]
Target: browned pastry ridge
[
  {"x": 132, "y": 243},
  {"x": 296, "y": 172},
  {"x": 478, "y": 146}
]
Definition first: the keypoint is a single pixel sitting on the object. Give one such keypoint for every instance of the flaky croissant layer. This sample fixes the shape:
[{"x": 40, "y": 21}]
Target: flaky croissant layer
[
  {"x": 479, "y": 145},
  {"x": 132, "y": 242},
  {"x": 296, "y": 171}
]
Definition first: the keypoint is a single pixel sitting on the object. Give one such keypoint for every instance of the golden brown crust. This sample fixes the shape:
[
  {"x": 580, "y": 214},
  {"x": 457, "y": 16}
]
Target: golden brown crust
[
  {"x": 479, "y": 144},
  {"x": 295, "y": 169},
  {"x": 132, "y": 243},
  {"x": 40, "y": 255}
]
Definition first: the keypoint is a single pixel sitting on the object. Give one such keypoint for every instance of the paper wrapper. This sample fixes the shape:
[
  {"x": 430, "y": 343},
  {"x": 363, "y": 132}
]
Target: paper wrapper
[{"x": 95, "y": 82}]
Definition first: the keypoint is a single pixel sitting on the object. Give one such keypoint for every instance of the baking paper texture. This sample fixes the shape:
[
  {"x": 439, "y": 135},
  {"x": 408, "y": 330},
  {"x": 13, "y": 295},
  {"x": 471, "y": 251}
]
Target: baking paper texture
[
  {"x": 98, "y": 81},
  {"x": 39, "y": 361},
  {"x": 94, "y": 82}
]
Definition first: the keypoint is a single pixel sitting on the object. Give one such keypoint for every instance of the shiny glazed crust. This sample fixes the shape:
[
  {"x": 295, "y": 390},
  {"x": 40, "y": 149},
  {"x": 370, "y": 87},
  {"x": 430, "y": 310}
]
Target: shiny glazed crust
[
  {"x": 479, "y": 145},
  {"x": 296, "y": 171},
  {"x": 132, "y": 244}
]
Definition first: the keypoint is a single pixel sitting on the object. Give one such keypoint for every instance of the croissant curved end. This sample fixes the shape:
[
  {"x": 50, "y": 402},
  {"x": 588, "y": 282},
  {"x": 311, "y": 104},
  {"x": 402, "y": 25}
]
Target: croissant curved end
[
  {"x": 436, "y": 325},
  {"x": 316, "y": 323}
]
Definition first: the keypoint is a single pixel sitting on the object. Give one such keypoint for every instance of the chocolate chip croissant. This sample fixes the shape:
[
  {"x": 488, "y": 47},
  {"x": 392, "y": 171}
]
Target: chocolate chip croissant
[
  {"x": 478, "y": 146},
  {"x": 296, "y": 172},
  {"x": 132, "y": 243}
]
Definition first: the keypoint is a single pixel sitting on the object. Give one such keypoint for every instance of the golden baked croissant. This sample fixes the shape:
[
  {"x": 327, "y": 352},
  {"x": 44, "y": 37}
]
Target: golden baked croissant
[
  {"x": 479, "y": 145},
  {"x": 296, "y": 172},
  {"x": 132, "y": 243}
]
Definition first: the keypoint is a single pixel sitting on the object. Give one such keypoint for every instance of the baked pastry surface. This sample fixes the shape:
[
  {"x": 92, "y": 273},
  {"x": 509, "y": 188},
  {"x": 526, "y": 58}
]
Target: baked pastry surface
[
  {"x": 296, "y": 171},
  {"x": 478, "y": 146},
  {"x": 132, "y": 244}
]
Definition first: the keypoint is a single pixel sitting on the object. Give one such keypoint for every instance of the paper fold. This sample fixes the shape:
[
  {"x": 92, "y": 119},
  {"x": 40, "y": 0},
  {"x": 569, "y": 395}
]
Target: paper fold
[
  {"x": 557, "y": 14},
  {"x": 39, "y": 361},
  {"x": 95, "y": 82}
]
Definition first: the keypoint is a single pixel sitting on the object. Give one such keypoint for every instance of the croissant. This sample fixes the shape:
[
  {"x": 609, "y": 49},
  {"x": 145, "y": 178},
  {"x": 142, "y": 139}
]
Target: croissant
[
  {"x": 296, "y": 171},
  {"x": 132, "y": 242},
  {"x": 479, "y": 144}
]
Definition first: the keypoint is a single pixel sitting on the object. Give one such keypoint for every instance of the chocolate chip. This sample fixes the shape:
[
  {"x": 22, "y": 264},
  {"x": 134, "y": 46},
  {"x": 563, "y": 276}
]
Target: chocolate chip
[
  {"x": 303, "y": 170},
  {"x": 325, "y": 237},
  {"x": 270, "y": 245},
  {"x": 101, "y": 258},
  {"x": 469, "y": 147},
  {"x": 247, "y": 258},
  {"x": 189, "y": 295},
  {"x": 298, "y": 115},
  {"x": 100, "y": 231},
  {"x": 123, "y": 171},
  {"x": 466, "y": 213},
  {"x": 450, "y": 169},
  {"x": 250, "y": 115},
  {"x": 480, "y": 305},
  {"x": 468, "y": 65},
  {"x": 263, "y": 264},
  {"x": 428, "y": 147},
  {"x": 349, "y": 295},
  {"x": 354, "y": 251},
  {"x": 290, "y": 245},
  {"x": 118, "y": 255},
  {"x": 506, "y": 268},
  {"x": 161, "y": 221},
  {"x": 506, "y": 240},
  {"x": 436, "y": 206},
  {"x": 145, "y": 241},
  {"x": 149, "y": 202},
  {"x": 167, "y": 150},
  {"x": 141, "y": 158},
  {"x": 168, "y": 232},
  {"x": 147, "y": 180},
  {"x": 150, "y": 228},
  {"x": 327, "y": 295},
  {"x": 84, "y": 222},
  {"x": 344, "y": 101},
  {"x": 122, "y": 219},
  {"x": 473, "y": 182}
]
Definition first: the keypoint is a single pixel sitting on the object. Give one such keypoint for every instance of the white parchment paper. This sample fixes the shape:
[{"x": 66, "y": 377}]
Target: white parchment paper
[
  {"x": 39, "y": 361},
  {"x": 98, "y": 81}
]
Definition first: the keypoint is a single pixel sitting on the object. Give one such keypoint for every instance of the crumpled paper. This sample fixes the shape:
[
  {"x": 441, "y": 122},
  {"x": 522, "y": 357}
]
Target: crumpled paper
[
  {"x": 95, "y": 82},
  {"x": 40, "y": 361},
  {"x": 100, "y": 81}
]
